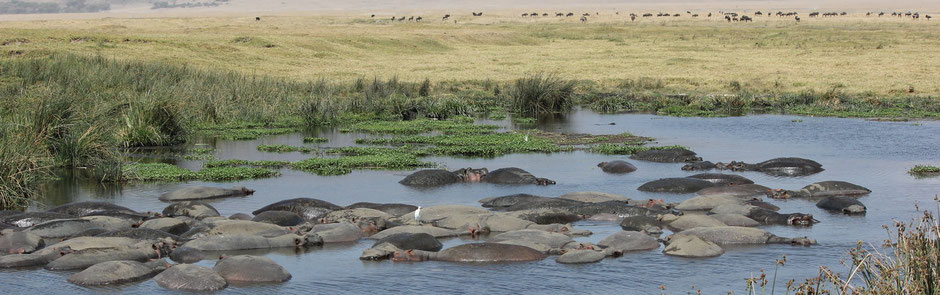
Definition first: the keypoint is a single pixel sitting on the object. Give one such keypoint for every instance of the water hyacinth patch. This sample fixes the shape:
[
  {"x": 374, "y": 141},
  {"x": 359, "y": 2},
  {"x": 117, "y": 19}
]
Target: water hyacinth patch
[
  {"x": 626, "y": 149},
  {"x": 315, "y": 139},
  {"x": 343, "y": 165},
  {"x": 281, "y": 148},
  {"x": 237, "y": 163},
  {"x": 169, "y": 172},
  {"x": 420, "y": 126}
]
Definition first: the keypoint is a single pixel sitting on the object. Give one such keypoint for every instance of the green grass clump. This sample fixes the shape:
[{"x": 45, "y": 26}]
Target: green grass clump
[
  {"x": 924, "y": 169},
  {"x": 420, "y": 126},
  {"x": 315, "y": 139},
  {"x": 626, "y": 149},
  {"x": 199, "y": 154},
  {"x": 282, "y": 148},
  {"x": 369, "y": 150},
  {"x": 247, "y": 134},
  {"x": 485, "y": 145},
  {"x": 169, "y": 172},
  {"x": 237, "y": 163},
  {"x": 542, "y": 94},
  {"x": 343, "y": 165},
  {"x": 524, "y": 120}
]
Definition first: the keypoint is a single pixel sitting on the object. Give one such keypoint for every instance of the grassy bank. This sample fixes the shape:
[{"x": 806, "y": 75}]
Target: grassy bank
[{"x": 71, "y": 111}]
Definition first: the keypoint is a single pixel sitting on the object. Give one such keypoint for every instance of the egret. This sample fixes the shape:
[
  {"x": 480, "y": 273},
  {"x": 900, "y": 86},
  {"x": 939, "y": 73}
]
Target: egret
[{"x": 418, "y": 215}]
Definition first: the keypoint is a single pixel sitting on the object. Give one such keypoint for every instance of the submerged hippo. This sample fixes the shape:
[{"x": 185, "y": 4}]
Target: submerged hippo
[
  {"x": 513, "y": 175},
  {"x": 392, "y": 209},
  {"x": 251, "y": 269},
  {"x": 723, "y": 179},
  {"x": 89, "y": 208},
  {"x": 727, "y": 235},
  {"x": 700, "y": 165},
  {"x": 278, "y": 217},
  {"x": 671, "y": 155},
  {"x": 435, "y": 177},
  {"x": 676, "y": 185},
  {"x": 765, "y": 216},
  {"x": 842, "y": 204},
  {"x": 617, "y": 166},
  {"x": 19, "y": 242},
  {"x": 478, "y": 252},
  {"x": 117, "y": 272},
  {"x": 204, "y": 192},
  {"x": 308, "y": 208},
  {"x": 777, "y": 167},
  {"x": 27, "y": 219},
  {"x": 193, "y": 278},
  {"x": 741, "y": 190},
  {"x": 194, "y": 209},
  {"x": 821, "y": 190}
]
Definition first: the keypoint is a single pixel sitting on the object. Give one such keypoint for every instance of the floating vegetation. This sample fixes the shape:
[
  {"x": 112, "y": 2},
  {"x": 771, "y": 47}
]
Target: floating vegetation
[
  {"x": 169, "y": 172},
  {"x": 420, "y": 126},
  {"x": 199, "y": 154},
  {"x": 524, "y": 120},
  {"x": 315, "y": 139},
  {"x": 282, "y": 148},
  {"x": 247, "y": 134},
  {"x": 343, "y": 165},
  {"x": 371, "y": 150},
  {"x": 238, "y": 163},
  {"x": 485, "y": 145},
  {"x": 924, "y": 170},
  {"x": 626, "y": 149}
]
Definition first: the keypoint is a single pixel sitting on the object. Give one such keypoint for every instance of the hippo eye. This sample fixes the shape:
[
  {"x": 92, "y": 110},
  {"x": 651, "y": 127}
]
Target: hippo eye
[{"x": 297, "y": 241}]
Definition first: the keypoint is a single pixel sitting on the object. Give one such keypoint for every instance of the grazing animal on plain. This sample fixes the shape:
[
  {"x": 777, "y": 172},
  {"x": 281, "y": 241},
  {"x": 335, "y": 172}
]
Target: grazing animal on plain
[
  {"x": 559, "y": 14},
  {"x": 797, "y": 18},
  {"x": 570, "y": 14},
  {"x": 545, "y": 14},
  {"x": 401, "y": 19},
  {"x": 928, "y": 17},
  {"x": 418, "y": 19},
  {"x": 372, "y": 16},
  {"x": 446, "y": 16},
  {"x": 745, "y": 18},
  {"x": 728, "y": 18},
  {"x": 258, "y": 18},
  {"x": 411, "y": 18},
  {"x": 709, "y": 14},
  {"x": 695, "y": 15},
  {"x": 647, "y": 14},
  {"x": 583, "y": 19},
  {"x": 525, "y": 14},
  {"x": 632, "y": 17}
]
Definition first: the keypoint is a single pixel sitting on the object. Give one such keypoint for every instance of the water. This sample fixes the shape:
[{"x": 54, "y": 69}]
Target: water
[{"x": 876, "y": 155}]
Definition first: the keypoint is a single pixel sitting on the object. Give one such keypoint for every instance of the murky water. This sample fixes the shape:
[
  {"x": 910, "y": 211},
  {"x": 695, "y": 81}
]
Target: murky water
[{"x": 872, "y": 154}]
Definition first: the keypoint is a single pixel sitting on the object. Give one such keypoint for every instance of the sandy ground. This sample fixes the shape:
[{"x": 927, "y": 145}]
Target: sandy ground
[{"x": 499, "y": 7}]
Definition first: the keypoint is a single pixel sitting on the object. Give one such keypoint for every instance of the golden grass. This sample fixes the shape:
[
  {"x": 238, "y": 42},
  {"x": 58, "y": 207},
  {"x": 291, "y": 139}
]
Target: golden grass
[{"x": 885, "y": 56}]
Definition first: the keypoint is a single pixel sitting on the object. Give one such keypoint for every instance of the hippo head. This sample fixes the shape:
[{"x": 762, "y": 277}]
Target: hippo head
[
  {"x": 246, "y": 190},
  {"x": 308, "y": 240},
  {"x": 800, "y": 219},
  {"x": 778, "y": 194},
  {"x": 804, "y": 241},
  {"x": 408, "y": 255},
  {"x": 373, "y": 254},
  {"x": 854, "y": 209},
  {"x": 472, "y": 175},
  {"x": 690, "y": 167},
  {"x": 544, "y": 181},
  {"x": 602, "y": 164}
]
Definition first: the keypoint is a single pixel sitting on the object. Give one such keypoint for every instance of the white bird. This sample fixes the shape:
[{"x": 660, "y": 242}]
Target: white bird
[
  {"x": 526, "y": 137},
  {"x": 418, "y": 215}
]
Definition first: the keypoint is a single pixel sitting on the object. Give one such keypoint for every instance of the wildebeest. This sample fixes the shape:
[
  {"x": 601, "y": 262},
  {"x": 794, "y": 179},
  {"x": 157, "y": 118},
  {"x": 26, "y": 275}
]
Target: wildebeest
[
  {"x": 477, "y": 13},
  {"x": 583, "y": 18},
  {"x": 695, "y": 15},
  {"x": 569, "y": 14},
  {"x": 632, "y": 17},
  {"x": 258, "y": 18},
  {"x": 728, "y": 18},
  {"x": 647, "y": 14},
  {"x": 797, "y": 18},
  {"x": 928, "y": 17},
  {"x": 446, "y": 16},
  {"x": 675, "y": 15},
  {"x": 758, "y": 13},
  {"x": 745, "y": 18},
  {"x": 411, "y": 18},
  {"x": 372, "y": 15},
  {"x": 418, "y": 19},
  {"x": 709, "y": 14},
  {"x": 814, "y": 14},
  {"x": 525, "y": 14},
  {"x": 401, "y": 19},
  {"x": 559, "y": 14}
]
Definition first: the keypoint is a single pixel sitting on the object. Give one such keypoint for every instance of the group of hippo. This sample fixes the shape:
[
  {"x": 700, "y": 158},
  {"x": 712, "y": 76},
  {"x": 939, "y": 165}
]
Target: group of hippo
[{"x": 112, "y": 244}]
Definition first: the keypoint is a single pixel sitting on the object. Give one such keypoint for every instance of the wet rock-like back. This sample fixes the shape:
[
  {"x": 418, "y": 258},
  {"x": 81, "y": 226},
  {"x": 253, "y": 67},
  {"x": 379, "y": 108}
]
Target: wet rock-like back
[
  {"x": 675, "y": 185},
  {"x": 671, "y": 155},
  {"x": 251, "y": 269},
  {"x": 193, "y": 278},
  {"x": 308, "y": 208}
]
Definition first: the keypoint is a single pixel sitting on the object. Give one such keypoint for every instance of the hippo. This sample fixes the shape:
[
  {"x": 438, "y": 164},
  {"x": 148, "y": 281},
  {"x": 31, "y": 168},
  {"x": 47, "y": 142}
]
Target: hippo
[
  {"x": 626, "y": 241},
  {"x": 33, "y": 259},
  {"x": 80, "y": 209},
  {"x": 543, "y": 203},
  {"x": 242, "y": 227},
  {"x": 821, "y": 190},
  {"x": 246, "y": 242},
  {"x": 649, "y": 224},
  {"x": 617, "y": 167},
  {"x": 391, "y": 209},
  {"x": 542, "y": 241},
  {"x": 735, "y": 220},
  {"x": 842, "y": 204},
  {"x": 690, "y": 221},
  {"x": 546, "y": 215},
  {"x": 670, "y": 155},
  {"x": 187, "y": 255},
  {"x": 708, "y": 202},
  {"x": 277, "y": 217},
  {"x": 765, "y": 216},
  {"x": 28, "y": 219},
  {"x": 194, "y": 209},
  {"x": 508, "y": 201},
  {"x": 410, "y": 241},
  {"x": 593, "y": 197},
  {"x": 740, "y": 190},
  {"x": 777, "y": 167},
  {"x": 308, "y": 208},
  {"x": 622, "y": 209},
  {"x": 167, "y": 224},
  {"x": 62, "y": 228},
  {"x": 192, "y": 278},
  {"x": 513, "y": 175},
  {"x": 118, "y": 272},
  {"x": 723, "y": 179},
  {"x": 761, "y": 204},
  {"x": 240, "y": 216},
  {"x": 12, "y": 242},
  {"x": 251, "y": 269},
  {"x": 698, "y": 166},
  {"x": 436, "y": 177},
  {"x": 728, "y": 235},
  {"x": 369, "y": 220},
  {"x": 578, "y": 256},
  {"x": 692, "y": 247},
  {"x": 434, "y": 213},
  {"x": 81, "y": 259},
  {"x": 204, "y": 192},
  {"x": 337, "y": 232},
  {"x": 477, "y": 252},
  {"x": 675, "y": 185},
  {"x": 413, "y": 229},
  {"x": 141, "y": 234}
]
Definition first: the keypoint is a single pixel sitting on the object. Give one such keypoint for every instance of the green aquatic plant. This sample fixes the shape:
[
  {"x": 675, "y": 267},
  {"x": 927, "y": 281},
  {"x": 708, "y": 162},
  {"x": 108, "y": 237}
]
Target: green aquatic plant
[
  {"x": 170, "y": 172},
  {"x": 542, "y": 94},
  {"x": 342, "y": 165},
  {"x": 626, "y": 149},
  {"x": 315, "y": 139},
  {"x": 486, "y": 145},
  {"x": 282, "y": 148},
  {"x": 924, "y": 169},
  {"x": 237, "y": 163},
  {"x": 247, "y": 134},
  {"x": 420, "y": 126}
]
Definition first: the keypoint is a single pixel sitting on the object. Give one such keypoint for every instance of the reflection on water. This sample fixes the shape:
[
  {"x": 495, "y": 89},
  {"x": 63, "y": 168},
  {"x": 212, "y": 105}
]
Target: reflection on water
[{"x": 872, "y": 154}]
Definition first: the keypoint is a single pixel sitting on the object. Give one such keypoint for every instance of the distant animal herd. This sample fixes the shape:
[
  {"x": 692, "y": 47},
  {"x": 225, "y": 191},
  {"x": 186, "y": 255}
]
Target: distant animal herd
[{"x": 728, "y": 16}]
